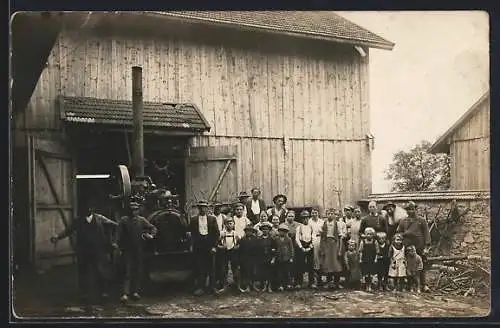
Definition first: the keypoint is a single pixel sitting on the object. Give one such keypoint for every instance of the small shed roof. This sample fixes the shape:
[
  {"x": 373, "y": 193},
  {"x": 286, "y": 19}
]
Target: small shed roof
[
  {"x": 325, "y": 25},
  {"x": 441, "y": 145},
  {"x": 85, "y": 110}
]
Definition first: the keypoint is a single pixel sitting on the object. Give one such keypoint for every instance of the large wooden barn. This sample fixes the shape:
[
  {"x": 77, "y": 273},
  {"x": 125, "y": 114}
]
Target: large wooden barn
[
  {"x": 468, "y": 144},
  {"x": 278, "y": 100}
]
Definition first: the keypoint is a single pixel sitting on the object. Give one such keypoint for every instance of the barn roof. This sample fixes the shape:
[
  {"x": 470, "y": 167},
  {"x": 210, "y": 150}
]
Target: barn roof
[
  {"x": 325, "y": 25},
  {"x": 85, "y": 110},
  {"x": 441, "y": 145}
]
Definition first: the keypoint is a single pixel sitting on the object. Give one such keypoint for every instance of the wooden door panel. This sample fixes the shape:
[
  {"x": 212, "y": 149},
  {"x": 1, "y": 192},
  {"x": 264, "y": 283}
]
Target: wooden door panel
[
  {"x": 53, "y": 181},
  {"x": 211, "y": 173}
]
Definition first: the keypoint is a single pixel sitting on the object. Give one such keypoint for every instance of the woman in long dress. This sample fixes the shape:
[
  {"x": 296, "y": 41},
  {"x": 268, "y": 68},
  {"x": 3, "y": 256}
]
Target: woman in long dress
[{"x": 330, "y": 250}]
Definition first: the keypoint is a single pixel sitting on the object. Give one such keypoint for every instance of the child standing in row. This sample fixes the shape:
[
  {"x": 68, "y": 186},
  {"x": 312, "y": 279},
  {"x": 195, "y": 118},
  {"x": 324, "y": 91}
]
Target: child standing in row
[
  {"x": 414, "y": 266},
  {"x": 397, "y": 268},
  {"x": 383, "y": 261},
  {"x": 267, "y": 247},
  {"x": 304, "y": 253},
  {"x": 316, "y": 224},
  {"x": 368, "y": 250},
  {"x": 248, "y": 256},
  {"x": 228, "y": 252},
  {"x": 352, "y": 264},
  {"x": 284, "y": 258}
]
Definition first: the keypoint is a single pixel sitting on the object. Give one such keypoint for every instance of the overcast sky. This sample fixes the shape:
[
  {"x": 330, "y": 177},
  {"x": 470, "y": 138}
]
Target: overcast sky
[{"x": 437, "y": 70}]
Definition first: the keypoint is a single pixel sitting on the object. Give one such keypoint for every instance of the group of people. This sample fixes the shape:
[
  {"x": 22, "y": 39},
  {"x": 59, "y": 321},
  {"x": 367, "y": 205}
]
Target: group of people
[
  {"x": 273, "y": 249},
  {"x": 268, "y": 249}
]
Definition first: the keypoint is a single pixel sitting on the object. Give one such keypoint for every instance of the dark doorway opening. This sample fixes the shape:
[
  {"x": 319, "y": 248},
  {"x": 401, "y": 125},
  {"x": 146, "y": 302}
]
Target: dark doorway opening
[{"x": 99, "y": 152}]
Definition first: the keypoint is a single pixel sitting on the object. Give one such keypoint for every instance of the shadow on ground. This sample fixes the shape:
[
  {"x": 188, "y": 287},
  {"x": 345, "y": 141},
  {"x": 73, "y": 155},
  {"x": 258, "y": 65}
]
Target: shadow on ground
[{"x": 53, "y": 295}]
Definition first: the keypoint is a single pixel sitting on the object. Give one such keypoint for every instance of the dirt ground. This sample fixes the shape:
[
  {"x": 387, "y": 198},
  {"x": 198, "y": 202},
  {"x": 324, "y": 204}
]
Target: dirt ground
[{"x": 35, "y": 300}]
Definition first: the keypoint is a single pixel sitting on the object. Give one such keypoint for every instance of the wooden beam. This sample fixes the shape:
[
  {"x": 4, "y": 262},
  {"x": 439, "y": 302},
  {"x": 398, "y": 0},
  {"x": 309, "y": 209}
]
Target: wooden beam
[
  {"x": 219, "y": 181},
  {"x": 211, "y": 159},
  {"x": 43, "y": 206},
  {"x": 54, "y": 193}
]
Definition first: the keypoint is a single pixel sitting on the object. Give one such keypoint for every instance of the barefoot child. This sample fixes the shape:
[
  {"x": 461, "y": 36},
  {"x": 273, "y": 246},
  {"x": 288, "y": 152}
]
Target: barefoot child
[
  {"x": 414, "y": 266},
  {"x": 382, "y": 261},
  {"x": 368, "y": 250},
  {"x": 351, "y": 260},
  {"x": 397, "y": 268}
]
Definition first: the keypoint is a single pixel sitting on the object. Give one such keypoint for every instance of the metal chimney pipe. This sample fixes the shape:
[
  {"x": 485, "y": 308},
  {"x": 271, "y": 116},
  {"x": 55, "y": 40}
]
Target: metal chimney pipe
[{"x": 137, "y": 109}]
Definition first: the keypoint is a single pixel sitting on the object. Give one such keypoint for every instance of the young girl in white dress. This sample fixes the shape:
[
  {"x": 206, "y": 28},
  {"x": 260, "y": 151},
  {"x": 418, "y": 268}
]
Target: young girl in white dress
[{"x": 397, "y": 267}]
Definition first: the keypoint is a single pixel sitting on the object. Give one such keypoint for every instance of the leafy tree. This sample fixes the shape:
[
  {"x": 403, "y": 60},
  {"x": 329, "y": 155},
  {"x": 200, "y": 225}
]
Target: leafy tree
[{"x": 419, "y": 170}]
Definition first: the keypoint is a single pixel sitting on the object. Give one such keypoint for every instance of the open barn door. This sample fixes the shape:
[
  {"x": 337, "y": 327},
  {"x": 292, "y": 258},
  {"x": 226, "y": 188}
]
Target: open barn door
[
  {"x": 52, "y": 206},
  {"x": 211, "y": 174}
]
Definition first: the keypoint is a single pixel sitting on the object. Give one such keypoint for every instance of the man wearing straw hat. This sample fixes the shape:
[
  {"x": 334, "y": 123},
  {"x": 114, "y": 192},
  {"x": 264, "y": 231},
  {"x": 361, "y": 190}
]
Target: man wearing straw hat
[{"x": 204, "y": 234}]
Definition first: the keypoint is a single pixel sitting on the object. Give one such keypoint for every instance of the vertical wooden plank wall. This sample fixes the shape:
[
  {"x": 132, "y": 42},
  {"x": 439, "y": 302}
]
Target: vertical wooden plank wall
[
  {"x": 470, "y": 152},
  {"x": 251, "y": 98}
]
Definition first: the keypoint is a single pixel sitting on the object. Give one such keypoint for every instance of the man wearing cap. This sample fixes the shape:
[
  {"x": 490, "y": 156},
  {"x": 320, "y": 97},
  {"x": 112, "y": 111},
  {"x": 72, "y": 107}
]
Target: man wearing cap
[
  {"x": 240, "y": 220},
  {"x": 348, "y": 209},
  {"x": 133, "y": 229},
  {"x": 304, "y": 252},
  {"x": 254, "y": 206},
  {"x": 394, "y": 215},
  {"x": 205, "y": 237},
  {"x": 415, "y": 231},
  {"x": 91, "y": 248},
  {"x": 243, "y": 199},
  {"x": 373, "y": 220},
  {"x": 279, "y": 208}
]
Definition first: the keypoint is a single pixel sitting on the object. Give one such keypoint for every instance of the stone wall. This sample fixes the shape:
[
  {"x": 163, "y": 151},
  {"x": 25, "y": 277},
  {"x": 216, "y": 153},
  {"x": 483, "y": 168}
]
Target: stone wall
[{"x": 463, "y": 219}]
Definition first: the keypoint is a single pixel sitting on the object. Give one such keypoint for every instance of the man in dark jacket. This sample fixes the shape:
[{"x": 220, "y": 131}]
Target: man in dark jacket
[
  {"x": 415, "y": 231},
  {"x": 254, "y": 206},
  {"x": 91, "y": 248},
  {"x": 132, "y": 231},
  {"x": 204, "y": 234},
  {"x": 373, "y": 220}
]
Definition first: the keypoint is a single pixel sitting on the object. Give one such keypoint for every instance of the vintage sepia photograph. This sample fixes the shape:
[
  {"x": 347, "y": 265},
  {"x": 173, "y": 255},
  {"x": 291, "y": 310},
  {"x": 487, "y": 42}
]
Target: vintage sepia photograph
[{"x": 250, "y": 164}]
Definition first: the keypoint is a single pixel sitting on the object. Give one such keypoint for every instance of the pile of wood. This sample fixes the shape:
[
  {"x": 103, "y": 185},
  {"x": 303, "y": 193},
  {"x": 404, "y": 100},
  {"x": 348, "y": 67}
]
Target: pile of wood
[{"x": 461, "y": 275}]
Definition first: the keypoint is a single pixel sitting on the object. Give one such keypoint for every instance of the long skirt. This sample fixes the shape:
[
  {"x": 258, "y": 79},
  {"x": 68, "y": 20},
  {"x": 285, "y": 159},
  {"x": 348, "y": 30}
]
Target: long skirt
[
  {"x": 316, "y": 251},
  {"x": 331, "y": 262}
]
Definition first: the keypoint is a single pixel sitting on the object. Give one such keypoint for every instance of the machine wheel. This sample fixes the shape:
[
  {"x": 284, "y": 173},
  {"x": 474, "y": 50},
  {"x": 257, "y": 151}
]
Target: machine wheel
[{"x": 123, "y": 181}]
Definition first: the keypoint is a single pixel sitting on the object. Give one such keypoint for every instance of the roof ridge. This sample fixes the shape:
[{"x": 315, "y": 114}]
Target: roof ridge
[
  {"x": 334, "y": 28},
  {"x": 460, "y": 121}
]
